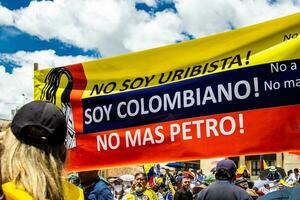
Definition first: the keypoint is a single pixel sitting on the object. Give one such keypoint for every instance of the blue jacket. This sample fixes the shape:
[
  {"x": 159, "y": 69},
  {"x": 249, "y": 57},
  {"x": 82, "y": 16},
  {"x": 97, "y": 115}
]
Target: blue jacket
[{"x": 99, "y": 190}]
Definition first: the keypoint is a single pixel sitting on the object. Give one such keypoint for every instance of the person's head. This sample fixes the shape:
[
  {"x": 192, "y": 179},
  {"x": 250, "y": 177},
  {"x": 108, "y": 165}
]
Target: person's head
[
  {"x": 74, "y": 178},
  {"x": 188, "y": 174},
  {"x": 140, "y": 180},
  {"x": 186, "y": 183},
  {"x": 225, "y": 170},
  {"x": 296, "y": 171},
  {"x": 178, "y": 182},
  {"x": 273, "y": 169},
  {"x": 199, "y": 171},
  {"x": 34, "y": 150},
  {"x": 118, "y": 185},
  {"x": 289, "y": 172},
  {"x": 242, "y": 183},
  {"x": 161, "y": 188},
  {"x": 245, "y": 172},
  {"x": 88, "y": 177},
  {"x": 267, "y": 186}
]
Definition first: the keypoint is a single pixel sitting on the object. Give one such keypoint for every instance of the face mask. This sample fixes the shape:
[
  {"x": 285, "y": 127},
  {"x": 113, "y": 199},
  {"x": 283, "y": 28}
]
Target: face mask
[{"x": 118, "y": 188}]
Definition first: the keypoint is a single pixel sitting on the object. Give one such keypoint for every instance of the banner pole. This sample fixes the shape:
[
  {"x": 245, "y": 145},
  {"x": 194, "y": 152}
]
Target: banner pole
[{"x": 36, "y": 66}]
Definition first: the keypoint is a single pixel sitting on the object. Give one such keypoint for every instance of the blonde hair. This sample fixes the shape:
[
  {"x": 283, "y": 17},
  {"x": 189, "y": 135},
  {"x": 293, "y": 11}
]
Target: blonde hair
[{"x": 35, "y": 168}]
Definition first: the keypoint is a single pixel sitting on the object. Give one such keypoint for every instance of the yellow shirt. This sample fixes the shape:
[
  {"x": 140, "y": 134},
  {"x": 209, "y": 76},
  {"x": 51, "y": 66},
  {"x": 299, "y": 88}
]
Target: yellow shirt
[
  {"x": 148, "y": 195},
  {"x": 11, "y": 192}
]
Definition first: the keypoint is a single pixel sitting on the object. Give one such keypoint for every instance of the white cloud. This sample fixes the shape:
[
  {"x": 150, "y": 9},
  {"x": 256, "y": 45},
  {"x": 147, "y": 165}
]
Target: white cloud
[
  {"x": 155, "y": 32},
  {"x": 115, "y": 26},
  {"x": 201, "y": 18},
  {"x": 103, "y": 24},
  {"x": 6, "y": 16},
  {"x": 21, "y": 80}
]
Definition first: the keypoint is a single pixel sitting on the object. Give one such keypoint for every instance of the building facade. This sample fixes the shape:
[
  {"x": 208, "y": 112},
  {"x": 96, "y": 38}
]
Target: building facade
[{"x": 286, "y": 161}]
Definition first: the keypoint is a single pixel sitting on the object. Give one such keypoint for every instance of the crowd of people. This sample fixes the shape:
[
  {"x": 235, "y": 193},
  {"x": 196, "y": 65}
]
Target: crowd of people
[
  {"x": 224, "y": 183},
  {"x": 33, "y": 155}
]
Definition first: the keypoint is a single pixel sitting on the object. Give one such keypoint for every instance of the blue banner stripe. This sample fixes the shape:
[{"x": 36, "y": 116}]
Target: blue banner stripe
[{"x": 237, "y": 90}]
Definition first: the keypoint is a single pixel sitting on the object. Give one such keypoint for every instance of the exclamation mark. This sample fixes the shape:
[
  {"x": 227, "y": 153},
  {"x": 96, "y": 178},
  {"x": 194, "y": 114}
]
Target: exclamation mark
[
  {"x": 247, "y": 57},
  {"x": 255, "y": 81},
  {"x": 241, "y": 121}
]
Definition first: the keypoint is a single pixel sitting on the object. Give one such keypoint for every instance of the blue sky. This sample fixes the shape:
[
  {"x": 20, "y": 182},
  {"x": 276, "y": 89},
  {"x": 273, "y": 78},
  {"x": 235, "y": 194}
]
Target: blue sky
[
  {"x": 57, "y": 33},
  {"x": 13, "y": 40}
]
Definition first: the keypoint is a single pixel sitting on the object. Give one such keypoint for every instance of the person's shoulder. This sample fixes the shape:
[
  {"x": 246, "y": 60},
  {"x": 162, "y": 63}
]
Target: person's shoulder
[
  {"x": 181, "y": 190},
  {"x": 72, "y": 191},
  {"x": 101, "y": 184},
  {"x": 202, "y": 194},
  {"x": 102, "y": 189},
  {"x": 295, "y": 193},
  {"x": 150, "y": 191},
  {"x": 128, "y": 196},
  {"x": 241, "y": 193}
]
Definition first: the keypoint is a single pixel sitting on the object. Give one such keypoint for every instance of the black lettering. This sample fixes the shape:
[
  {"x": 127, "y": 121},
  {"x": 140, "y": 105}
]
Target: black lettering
[
  {"x": 161, "y": 81},
  {"x": 213, "y": 66},
  {"x": 125, "y": 85},
  {"x": 139, "y": 82},
  {"x": 178, "y": 74},
  {"x": 236, "y": 60},
  {"x": 205, "y": 68},
  {"x": 225, "y": 62},
  {"x": 287, "y": 37},
  {"x": 290, "y": 36},
  {"x": 196, "y": 70},
  {"x": 148, "y": 80},
  {"x": 106, "y": 88},
  {"x": 187, "y": 72},
  {"x": 96, "y": 89}
]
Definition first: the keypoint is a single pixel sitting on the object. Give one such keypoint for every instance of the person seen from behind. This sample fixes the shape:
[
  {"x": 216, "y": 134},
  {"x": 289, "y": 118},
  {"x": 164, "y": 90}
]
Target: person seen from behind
[
  {"x": 94, "y": 187},
  {"x": 34, "y": 154},
  {"x": 223, "y": 188},
  {"x": 139, "y": 189}
]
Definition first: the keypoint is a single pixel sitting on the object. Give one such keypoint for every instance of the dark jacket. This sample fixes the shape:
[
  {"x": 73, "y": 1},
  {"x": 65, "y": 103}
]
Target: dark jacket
[
  {"x": 295, "y": 194},
  {"x": 223, "y": 190},
  {"x": 182, "y": 194},
  {"x": 277, "y": 195},
  {"x": 99, "y": 190}
]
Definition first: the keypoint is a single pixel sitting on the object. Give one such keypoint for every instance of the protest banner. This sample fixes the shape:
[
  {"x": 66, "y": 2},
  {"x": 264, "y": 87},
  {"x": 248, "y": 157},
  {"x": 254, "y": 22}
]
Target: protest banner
[{"x": 229, "y": 94}]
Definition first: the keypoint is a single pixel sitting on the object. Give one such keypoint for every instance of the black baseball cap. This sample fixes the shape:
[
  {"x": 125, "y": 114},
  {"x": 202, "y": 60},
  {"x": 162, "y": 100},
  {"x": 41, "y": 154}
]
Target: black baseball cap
[{"x": 42, "y": 115}]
